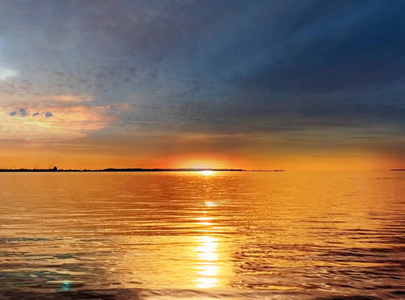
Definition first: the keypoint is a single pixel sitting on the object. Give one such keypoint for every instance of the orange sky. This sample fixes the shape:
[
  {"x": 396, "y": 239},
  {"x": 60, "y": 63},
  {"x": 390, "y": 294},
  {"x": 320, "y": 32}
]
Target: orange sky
[
  {"x": 35, "y": 156},
  {"x": 76, "y": 138}
]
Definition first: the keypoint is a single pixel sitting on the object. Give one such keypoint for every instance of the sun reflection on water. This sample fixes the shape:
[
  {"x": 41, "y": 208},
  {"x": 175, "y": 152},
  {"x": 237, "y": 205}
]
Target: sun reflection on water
[
  {"x": 205, "y": 221},
  {"x": 207, "y": 268},
  {"x": 206, "y": 172}
]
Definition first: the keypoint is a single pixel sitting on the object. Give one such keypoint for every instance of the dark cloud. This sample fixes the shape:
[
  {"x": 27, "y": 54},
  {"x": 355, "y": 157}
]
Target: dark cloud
[
  {"x": 22, "y": 112},
  {"x": 356, "y": 47}
]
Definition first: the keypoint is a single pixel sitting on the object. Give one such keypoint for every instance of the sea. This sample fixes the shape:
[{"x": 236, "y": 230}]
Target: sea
[{"x": 202, "y": 235}]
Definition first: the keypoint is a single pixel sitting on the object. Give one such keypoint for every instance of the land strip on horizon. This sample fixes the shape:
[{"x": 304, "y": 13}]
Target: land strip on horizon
[{"x": 138, "y": 170}]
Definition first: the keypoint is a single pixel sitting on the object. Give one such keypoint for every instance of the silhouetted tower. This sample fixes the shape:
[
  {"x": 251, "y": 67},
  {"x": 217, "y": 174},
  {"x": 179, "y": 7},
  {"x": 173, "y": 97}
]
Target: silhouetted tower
[{"x": 55, "y": 168}]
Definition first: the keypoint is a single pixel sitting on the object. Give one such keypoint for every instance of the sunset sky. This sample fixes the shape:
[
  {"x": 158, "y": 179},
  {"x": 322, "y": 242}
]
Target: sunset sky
[{"x": 224, "y": 83}]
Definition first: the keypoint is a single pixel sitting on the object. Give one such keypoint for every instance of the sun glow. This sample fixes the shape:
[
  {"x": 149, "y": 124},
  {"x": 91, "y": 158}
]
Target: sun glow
[
  {"x": 206, "y": 172},
  {"x": 202, "y": 161}
]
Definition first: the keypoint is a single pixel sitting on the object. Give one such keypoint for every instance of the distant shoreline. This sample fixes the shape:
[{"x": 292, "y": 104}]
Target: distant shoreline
[
  {"x": 397, "y": 170},
  {"x": 129, "y": 170}
]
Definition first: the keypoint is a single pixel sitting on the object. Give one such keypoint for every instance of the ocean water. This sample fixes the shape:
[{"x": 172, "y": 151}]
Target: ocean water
[{"x": 224, "y": 235}]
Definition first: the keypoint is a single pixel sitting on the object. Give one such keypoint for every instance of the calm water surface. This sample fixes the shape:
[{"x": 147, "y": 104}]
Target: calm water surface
[{"x": 302, "y": 235}]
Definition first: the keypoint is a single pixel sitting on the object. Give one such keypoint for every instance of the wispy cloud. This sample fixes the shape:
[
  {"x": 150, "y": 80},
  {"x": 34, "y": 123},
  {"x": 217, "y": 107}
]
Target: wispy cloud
[
  {"x": 68, "y": 98},
  {"x": 32, "y": 129},
  {"x": 79, "y": 117},
  {"x": 57, "y": 119},
  {"x": 7, "y": 73}
]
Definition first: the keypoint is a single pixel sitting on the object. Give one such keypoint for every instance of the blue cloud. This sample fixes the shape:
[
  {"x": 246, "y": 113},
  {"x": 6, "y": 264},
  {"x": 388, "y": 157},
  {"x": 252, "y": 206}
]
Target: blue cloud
[{"x": 22, "y": 112}]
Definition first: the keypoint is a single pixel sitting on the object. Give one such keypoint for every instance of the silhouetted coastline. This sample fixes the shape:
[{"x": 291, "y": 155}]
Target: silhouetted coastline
[
  {"x": 397, "y": 170},
  {"x": 120, "y": 170},
  {"x": 56, "y": 170}
]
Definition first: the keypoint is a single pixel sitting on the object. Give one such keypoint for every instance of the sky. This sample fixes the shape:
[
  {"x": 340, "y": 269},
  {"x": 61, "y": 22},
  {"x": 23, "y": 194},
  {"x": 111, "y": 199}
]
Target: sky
[{"x": 216, "y": 83}]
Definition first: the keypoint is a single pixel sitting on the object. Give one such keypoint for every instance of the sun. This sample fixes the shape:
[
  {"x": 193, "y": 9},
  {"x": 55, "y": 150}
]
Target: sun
[{"x": 202, "y": 161}]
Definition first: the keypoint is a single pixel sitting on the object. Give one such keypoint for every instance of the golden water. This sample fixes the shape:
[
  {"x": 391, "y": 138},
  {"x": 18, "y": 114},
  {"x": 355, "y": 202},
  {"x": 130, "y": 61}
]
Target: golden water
[{"x": 230, "y": 235}]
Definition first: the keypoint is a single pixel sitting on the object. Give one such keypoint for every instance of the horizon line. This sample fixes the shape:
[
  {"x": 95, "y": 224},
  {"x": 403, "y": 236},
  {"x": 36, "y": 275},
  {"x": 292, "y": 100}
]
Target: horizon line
[{"x": 54, "y": 169}]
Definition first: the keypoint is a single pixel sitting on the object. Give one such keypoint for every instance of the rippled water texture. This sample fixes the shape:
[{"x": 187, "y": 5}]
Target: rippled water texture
[{"x": 240, "y": 235}]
